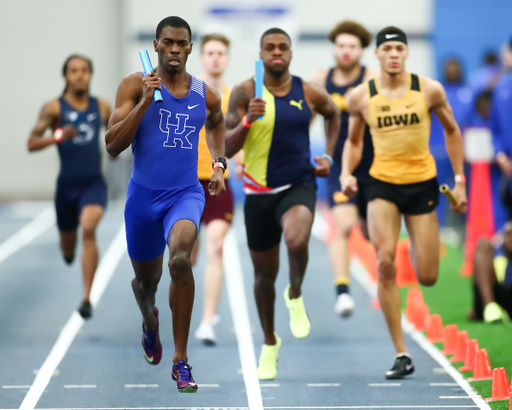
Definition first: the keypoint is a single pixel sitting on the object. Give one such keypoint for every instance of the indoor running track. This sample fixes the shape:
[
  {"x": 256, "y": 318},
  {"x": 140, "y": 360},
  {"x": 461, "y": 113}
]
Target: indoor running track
[{"x": 51, "y": 359}]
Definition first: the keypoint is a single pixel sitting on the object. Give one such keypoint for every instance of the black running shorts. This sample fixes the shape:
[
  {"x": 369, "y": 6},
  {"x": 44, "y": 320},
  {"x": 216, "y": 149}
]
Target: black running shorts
[
  {"x": 263, "y": 213},
  {"x": 411, "y": 199}
]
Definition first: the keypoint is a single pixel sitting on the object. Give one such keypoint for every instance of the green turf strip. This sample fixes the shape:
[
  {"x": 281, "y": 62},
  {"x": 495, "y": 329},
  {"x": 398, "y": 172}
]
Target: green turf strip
[{"x": 452, "y": 298}]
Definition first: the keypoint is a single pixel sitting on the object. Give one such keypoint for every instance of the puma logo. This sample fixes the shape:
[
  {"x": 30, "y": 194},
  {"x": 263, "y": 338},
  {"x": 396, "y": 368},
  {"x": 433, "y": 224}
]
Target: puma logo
[{"x": 297, "y": 104}]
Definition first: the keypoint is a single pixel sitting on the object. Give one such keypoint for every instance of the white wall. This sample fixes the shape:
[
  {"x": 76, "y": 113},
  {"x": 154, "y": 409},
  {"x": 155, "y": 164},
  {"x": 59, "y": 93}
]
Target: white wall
[
  {"x": 36, "y": 37},
  {"x": 39, "y": 35}
]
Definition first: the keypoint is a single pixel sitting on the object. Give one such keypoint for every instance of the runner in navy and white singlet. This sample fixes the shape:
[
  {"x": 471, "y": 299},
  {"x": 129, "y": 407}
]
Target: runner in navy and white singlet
[
  {"x": 349, "y": 39},
  {"x": 165, "y": 199},
  {"x": 75, "y": 119}
]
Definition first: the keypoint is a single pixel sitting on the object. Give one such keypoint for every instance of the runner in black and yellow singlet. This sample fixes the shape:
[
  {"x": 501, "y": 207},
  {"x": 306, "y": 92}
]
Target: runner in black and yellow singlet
[
  {"x": 349, "y": 39},
  {"x": 279, "y": 180},
  {"x": 397, "y": 108}
]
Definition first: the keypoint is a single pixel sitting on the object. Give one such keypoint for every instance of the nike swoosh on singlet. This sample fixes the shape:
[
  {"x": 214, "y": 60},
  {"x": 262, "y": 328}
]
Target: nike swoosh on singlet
[
  {"x": 391, "y": 36},
  {"x": 192, "y": 106}
]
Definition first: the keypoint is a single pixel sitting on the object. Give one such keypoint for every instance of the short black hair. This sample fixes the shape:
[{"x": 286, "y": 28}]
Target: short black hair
[
  {"x": 274, "y": 30},
  {"x": 173, "y": 21},
  {"x": 72, "y": 57},
  {"x": 490, "y": 57}
]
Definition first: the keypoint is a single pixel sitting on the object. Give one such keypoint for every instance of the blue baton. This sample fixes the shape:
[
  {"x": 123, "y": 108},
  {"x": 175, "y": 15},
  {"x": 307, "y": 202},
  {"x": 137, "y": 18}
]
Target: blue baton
[
  {"x": 258, "y": 84},
  {"x": 148, "y": 68}
]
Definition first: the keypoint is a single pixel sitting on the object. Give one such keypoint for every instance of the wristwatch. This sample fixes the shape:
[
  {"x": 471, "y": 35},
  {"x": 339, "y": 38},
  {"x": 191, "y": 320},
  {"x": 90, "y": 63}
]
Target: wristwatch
[{"x": 220, "y": 162}]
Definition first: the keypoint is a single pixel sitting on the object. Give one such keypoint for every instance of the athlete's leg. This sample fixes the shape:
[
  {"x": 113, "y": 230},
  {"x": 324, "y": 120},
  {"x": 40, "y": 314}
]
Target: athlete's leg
[
  {"x": 266, "y": 267},
  {"x": 66, "y": 209},
  {"x": 424, "y": 246},
  {"x": 89, "y": 219},
  {"x": 296, "y": 224},
  {"x": 144, "y": 286},
  {"x": 484, "y": 275},
  {"x": 216, "y": 231},
  {"x": 346, "y": 218},
  {"x": 68, "y": 244},
  {"x": 363, "y": 225},
  {"x": 195, "y": 252},
  {"x": 384, "y": 226},
  {"x": 181, "y": 240}
]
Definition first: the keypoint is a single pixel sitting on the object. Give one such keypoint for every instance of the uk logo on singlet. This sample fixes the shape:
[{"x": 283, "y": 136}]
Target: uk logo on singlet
[{"x": 176, "y": 129}]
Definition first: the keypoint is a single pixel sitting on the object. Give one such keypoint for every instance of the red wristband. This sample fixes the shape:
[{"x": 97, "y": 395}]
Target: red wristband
[
  {"x": 246, "y": 123},
  {"x": 58, "y": 135},
  {"x": 460, "y": 178}
]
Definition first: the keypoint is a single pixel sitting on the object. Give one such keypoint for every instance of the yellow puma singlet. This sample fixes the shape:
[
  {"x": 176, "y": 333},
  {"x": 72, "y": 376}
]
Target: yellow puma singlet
[{"x": 400, "y": 132}]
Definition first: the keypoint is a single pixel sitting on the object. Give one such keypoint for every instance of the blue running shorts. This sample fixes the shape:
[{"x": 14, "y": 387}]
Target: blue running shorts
[{"x": 150, "y": 215}]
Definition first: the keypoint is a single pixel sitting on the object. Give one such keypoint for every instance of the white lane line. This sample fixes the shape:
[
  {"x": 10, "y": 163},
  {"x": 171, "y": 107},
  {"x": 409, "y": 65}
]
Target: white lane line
[
  {"x": 55, "y": 373},
  {"x": 15, "y": 387},
  {"x": 80, "y": 386},
  {"x": 444, "y": 384},
  {"x": 323, "y": 385},
  {"x": 105, "y": 270},
  {"x": 238, "y": 305},
  {"x": 360, "y": 274},
  {"x": 269, "y": 384},
  {"x": 384, "y": 384},
  {"x": 140, "y": 386},
  {"x": 439, "y": 370},
  {"x": 28, "y": 233}
]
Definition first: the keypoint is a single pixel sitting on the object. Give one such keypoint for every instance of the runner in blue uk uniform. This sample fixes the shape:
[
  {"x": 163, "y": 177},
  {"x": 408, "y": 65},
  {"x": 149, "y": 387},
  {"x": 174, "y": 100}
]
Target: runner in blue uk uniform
[{"x": 165, "y": 199}]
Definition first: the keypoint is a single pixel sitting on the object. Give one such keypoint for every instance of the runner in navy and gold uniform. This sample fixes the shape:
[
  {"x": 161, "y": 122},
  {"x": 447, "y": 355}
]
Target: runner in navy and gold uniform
[
  {"x": 350, "y": 39},
  {"x": 75, "y": 119},
  {"x": 279, "y": 180},
  {"x": 397, "y": 108},
  {"x": 218, "y": 211}
]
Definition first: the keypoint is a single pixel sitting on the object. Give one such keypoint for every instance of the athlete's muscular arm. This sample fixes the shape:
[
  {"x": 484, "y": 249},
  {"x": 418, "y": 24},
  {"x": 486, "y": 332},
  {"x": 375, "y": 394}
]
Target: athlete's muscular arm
[
  {"x": 437, "y": 102},
  {"x": 214, "y": 127},
  {"x": 353, "y": 148},
  {"x": 323, "y": 104},
  {"x": 241, "y": 103},
  {"x": 134, "y": 95},
  {"x": 48, "y": 118},
  {"x": 105, "y": 110}
]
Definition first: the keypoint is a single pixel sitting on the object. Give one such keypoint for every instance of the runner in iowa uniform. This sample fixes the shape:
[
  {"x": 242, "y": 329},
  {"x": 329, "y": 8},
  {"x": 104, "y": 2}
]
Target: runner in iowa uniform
[{"x": 397, "y": 107}]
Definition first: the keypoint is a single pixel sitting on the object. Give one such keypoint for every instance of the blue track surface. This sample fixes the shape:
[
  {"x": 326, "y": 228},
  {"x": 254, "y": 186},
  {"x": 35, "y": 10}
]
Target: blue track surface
[{"x": 341, "y": 364}]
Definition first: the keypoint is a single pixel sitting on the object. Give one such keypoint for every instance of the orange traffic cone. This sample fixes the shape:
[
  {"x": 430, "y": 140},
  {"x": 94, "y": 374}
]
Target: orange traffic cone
[
  {"x": 500, "y": 387},
  {"x": 450, "y": 339},
  {"x": 483, "y": 369},
  {"x": 480, "y": 219},
  {"x": 405, "y": 275},
  {"x": 510, "y": 402},
  {"x": 471, "y": 349},
  {"x": 416, "y": 310},
  {"x": 460, "y": 350},
  {"x": 435, "y": 329}
]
